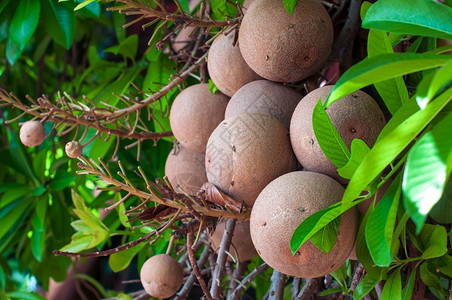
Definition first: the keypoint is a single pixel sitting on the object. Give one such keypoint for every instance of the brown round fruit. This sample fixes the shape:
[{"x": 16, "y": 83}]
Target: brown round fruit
[
  {"x": 226, "y": 66},
  {"x": 73, "y": 149},
  {"x": 356, "y": 116},
  {"x": 32, "y": 133},
  {"x": 266, "y": 97},
  {"x": 282, "y": 206},
  {"x": 242, "y": 247},
  {"x": 161, "y": 276},
  {"x": 186, "y": 169},
  {"x": 282, "y": 47},
  {"x": 245, "y": 153},
  {"x": 195, "y": 114}
]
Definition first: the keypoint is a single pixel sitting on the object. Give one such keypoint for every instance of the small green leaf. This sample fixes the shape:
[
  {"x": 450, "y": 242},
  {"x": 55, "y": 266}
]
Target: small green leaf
[
  {"x": 388, "y": 148},
  {"x": 380, "y": 226},
  {"x": 330, "y": 291},
  {"x": 359, "y": 150},
  {"x": 289, "y": 5},
  {"x": 79, "y": 242},
  {"x": 414, "y": 19},
  {"x": 383, "y": 67},
  {"x": 127, "y": 48},
  {"x": 365, "y": 286},
  {"x": 364, "y": 8},
  {"x": 221, "y": 9},
  {"x": 61, "y": 180},
  {"x": 393, "y": 287},
  {"x": 426, "y": 170},
  {"x": 407, "y": 291},
  {"x": 26, "y": 296},
  {"x": 437, "y": 243},
  {"x": 325, "y": 238},
  {"x": 429, "y": 278},
  {"x": 328, "y": 138},
  {"x": 212, "y": 87},
  {"x": 121, "y": 260},
  {"x": 83, "y": 4}
]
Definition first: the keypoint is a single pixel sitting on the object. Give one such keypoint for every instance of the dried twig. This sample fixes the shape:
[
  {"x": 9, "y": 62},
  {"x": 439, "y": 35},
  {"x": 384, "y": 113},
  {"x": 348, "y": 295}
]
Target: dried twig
[
  {"x": 278, "y": 281},
  {"x": 247, "y": 280},
  {"x": 196, "y": 271},
  {"x": 308, "y": 289}
]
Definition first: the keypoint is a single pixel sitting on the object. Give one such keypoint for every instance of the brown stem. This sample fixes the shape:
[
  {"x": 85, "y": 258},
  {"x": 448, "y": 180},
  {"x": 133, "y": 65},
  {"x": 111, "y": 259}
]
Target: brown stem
[
  {"x": 221, "y": 259},
  {"x": 247, "y": 280},
  {"x": 192, "y": 259},
  {"x": 278, "y": 280},
  {"x": 357, "y": 276},
  {"x": 295, "y": 289},
  {"x": 309, "y": 288}
]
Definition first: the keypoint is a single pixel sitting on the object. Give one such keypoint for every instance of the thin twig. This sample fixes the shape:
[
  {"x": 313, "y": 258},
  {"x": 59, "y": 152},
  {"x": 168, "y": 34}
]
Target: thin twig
[
  {"x": 192, "y": 259},
  {"x": 247, "y": 280},
  {"x": 308, "y": 289},
  {"x": 278, "y": 281}
]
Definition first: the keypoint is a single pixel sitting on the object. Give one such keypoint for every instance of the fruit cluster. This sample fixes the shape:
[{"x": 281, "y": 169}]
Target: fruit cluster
[{"x": 259, "y": 146}]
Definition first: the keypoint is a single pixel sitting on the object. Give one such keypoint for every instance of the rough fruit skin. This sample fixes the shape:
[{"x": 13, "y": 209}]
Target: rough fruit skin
[
  {"x": 32, "y": 133},
  {"x": 245, "y": 153},
  {"x": 186, "y": 169},
  {"x": 161, "y": 276},
  {"x": 226, "y": 66},
  {"x": 195, "y": 114},
  {"x": 266, "y": 97},
  {"x": 282, "y": 206},
  {"x": 242, "y": 247},
  {"x": 73, "y": 149},
  {"x": 356, "y": 116},
  {"x": 282, "y": 47}
]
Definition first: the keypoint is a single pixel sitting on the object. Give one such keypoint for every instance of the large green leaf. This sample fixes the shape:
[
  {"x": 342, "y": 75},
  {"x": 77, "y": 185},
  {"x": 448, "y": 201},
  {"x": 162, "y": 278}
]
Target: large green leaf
[
  {"x": 325, "y": 239},
  {"x": 365, "y": 286},
  {"x": 431, "y": 279},
  {"x": 393, "y": 91},
  {"x": 418, "y": 17},
  {"x": 328, "y": 138},
  {"x": 436, "y": 244},
  {"x": 388, "y": 148},
  {"x": 121, "y": 260},
  {"x": 380, "y": 226},
  {"x": 426, "y": 170},
  {"x": 393, "y": 287},
  {"x": 383, "y": 67},
  {"x": 359, "y": 150},
  {"x": 59, "y": 22},
  {"x": 24, "y": 23},
  {"x": 407, "y": 291},
  {"x": 430, "y": 85},
  {"x": 12, "y": 212},
  {"x": 442, "y": 211}
]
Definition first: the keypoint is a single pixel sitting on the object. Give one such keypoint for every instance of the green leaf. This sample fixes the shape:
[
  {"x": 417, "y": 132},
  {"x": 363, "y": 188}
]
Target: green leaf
[
  {"x": 364, "y": 8},
  {"x": 79, "y": 242},
  {"x": 24, "y": 22},
  {"x": 442, "y": 211},
  {"x": 437, "y": 243},
  {"x": 91, "y": 10},
  {"x": 393, "y": 91},
  {"x": 26, "y": 296},
  {"x": 325, "y": 238},
  {"x": 328, "y": 138},
  {"x": 393, "y": 287},
  {"x": 11, "y": 213},
  {"x": 383, "y": 67},
  {"x": 118, "y": 21},
  {"x": 429, "y": 86},
  {"x": 120, "y": 209},
  {"x": 330, "y": 291},
  {"x": 388, "y": 148},
  {"x": 365, "y": 286},
  {"x": 61, "y": 180},
  {"x": 221, "y": 8},
  {"x": 407, "y": 291},
  {"x": 212, "y": 87},
  {"x": 121, "y": 260},
  {"x": 429, "y": 278},
  {"x": 127, "y": 48},
  {"x": 289, "y": 5},
  {"x": 359, "y": 150},
  {"x": 426, "y": 170},
  {"x": 420, "y": 17},
  {"x": 83, "y": 4},
  {"x": 59, "y": 22},
  {"x": 445, "y": 265},
  {"x": 85, "y": 214},
  {"x": 380, "y": 226}
]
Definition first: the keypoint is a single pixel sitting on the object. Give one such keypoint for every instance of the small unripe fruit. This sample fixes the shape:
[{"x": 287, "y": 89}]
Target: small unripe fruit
[
  {"x": 32, "y": 133},
  {"x": 161, "y": 276},
  {"x": 73, "y": 149}
]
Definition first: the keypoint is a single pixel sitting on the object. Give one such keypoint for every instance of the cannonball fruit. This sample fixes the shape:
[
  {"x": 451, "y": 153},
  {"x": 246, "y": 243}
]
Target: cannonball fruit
[
  {"x": 247, "y": 151},
  {"x": 356, "y": 116},
  {"x": 161, "y": 276},
  {"x": 226, "y": 66},
  {"x": 282, "y": 206},
  {"x": 242, "y": 247},
  {"x": 186, "y": 169},
  {"x": 283, "y": 47},
  {"x": 266, "y": 97},
  {"x": 32, "y": 133},
  {"x": 73, "y": 149},
  {"x": 195, "y": 114}
]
